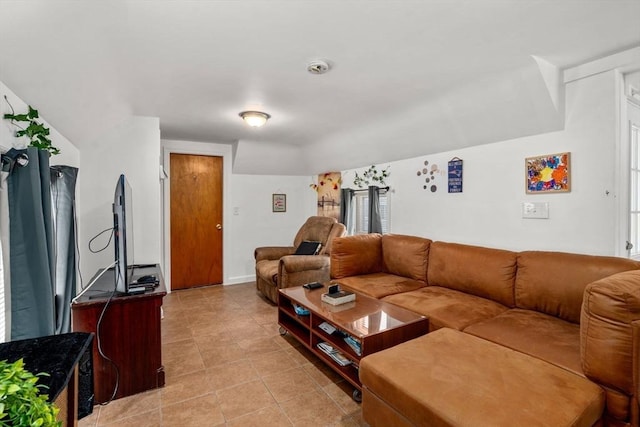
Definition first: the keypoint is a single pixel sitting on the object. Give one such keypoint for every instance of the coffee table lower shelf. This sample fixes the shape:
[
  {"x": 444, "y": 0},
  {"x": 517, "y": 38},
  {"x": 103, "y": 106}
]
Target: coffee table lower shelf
[{"x": 401, "y": 325}]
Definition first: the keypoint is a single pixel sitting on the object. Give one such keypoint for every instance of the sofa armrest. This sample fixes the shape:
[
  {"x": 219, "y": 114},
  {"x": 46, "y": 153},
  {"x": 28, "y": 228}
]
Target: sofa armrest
[
  {"x": 635, "y": 326},
  {"x": 272, "y": 252},
  {"x": 609, "y": 331},
  {"x": 297, "y": 263},
  {"x": 296, "y": 270}
]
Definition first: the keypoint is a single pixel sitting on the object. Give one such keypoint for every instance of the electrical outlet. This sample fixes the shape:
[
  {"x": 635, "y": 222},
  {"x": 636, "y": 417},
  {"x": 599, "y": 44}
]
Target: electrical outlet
[{"x": 535, "y": 210}]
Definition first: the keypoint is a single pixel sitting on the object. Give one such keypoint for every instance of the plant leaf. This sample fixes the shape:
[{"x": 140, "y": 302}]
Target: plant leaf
[{"x": 33, "y": 113}]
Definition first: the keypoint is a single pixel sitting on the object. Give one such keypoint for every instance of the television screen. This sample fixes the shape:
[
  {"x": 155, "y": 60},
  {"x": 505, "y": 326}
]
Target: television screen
[{"x": 123, "y": 234}]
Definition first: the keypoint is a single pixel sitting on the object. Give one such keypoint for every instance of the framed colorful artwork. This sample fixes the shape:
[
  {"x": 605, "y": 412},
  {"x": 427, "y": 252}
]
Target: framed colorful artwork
[
  {"x": 279, "y": 203},
  {"x": 550, "y": 173}
]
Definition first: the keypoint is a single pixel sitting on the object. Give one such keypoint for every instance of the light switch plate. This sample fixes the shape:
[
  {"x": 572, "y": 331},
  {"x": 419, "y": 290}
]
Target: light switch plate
[{"x": 535, "y": 210}]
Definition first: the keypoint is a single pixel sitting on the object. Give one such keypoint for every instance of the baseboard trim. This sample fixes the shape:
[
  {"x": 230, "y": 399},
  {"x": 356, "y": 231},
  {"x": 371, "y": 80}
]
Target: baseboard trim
[{"x": 240, "y": 279}]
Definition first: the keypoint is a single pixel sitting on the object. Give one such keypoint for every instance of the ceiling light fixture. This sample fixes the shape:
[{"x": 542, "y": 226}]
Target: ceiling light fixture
[{"x": 255, "y": 119}]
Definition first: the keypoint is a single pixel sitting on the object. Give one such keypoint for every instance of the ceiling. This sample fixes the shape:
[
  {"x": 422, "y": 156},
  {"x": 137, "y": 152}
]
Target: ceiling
[{"x": 407, "y": 78}]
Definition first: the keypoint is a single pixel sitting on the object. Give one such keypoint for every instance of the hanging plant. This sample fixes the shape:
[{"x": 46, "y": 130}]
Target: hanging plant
[
  {"x": 21, "y": 403},
  {"x": 37, "y": 132},
  {"x": 371, "y": 176}
]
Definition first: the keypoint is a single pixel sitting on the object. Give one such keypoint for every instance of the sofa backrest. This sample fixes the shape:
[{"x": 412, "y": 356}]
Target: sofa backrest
[
  {"x": 356, "y": 255},
  {"x": 480, "y": 271},
  {"x": 405, "y": 256},
  {"x": 554, "y": 282}
]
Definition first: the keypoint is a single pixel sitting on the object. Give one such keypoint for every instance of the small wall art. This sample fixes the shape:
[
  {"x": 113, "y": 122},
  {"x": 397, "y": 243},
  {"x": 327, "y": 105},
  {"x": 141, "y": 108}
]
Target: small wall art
[
  {"x": 279, "y": 202},
  {"x": 550, "y": 173},
  {"x": 455, "y": 175}
]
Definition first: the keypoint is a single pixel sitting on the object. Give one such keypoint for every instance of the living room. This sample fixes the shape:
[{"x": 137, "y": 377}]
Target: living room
[{"x": 527, "y": 106}]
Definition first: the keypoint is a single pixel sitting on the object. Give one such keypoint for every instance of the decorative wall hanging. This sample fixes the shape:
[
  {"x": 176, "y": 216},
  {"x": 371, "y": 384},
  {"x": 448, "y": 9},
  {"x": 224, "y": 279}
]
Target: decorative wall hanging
[
  {"x": 328, "y": 189},
  {"x": 36, "y": 132},
  {"x": 371, "y": 176},
  {"x": 548, "y": 174},
  {"x": 279, "y": 202},
  {"x": 455, "y": 175},
  {"x": 429, "y": 175}
]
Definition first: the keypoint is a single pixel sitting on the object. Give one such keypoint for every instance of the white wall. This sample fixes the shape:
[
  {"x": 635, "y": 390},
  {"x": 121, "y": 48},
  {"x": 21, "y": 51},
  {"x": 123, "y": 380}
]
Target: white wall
[
  {"x": 488, "y": 212},
  {"x": 69, "y": 154},
  {"x": 132, "y": 148},
  {"x": 255, "y": 224}
]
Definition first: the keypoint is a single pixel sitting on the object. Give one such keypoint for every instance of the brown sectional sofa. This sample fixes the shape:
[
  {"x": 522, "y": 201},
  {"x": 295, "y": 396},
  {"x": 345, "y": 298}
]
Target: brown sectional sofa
[{"x": 517, "y": 338}]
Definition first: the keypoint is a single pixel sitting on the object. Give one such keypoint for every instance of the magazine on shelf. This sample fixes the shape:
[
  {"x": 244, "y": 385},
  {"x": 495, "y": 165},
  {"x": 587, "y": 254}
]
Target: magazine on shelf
[{"x": 333, "y": 353}]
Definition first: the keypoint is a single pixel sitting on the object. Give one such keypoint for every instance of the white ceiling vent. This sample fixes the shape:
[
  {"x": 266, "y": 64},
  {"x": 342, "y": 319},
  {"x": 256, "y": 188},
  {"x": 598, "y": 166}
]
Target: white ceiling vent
[{"x": 317, "y": 66}]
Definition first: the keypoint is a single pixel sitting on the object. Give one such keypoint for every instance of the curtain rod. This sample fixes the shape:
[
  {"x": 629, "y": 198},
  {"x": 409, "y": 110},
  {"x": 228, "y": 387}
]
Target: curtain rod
[{"x": 366, "y": 189}]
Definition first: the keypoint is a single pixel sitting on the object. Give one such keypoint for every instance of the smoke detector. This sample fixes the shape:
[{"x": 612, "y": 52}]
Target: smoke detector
[{"x": 318, "y": 66}]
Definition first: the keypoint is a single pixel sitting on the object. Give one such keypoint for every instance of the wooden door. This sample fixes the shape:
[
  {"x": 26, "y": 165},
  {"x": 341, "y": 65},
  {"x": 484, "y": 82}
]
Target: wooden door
[{"x": 196, "y": 220}]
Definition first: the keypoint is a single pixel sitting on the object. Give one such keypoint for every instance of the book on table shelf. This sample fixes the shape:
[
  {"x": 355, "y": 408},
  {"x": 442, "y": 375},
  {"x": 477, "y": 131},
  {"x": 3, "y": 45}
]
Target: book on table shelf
[{"x": 340, "y": 297}]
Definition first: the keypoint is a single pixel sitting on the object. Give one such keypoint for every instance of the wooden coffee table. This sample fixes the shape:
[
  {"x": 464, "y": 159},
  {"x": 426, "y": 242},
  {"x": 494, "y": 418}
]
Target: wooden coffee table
[{"x": 375, "y": 324}]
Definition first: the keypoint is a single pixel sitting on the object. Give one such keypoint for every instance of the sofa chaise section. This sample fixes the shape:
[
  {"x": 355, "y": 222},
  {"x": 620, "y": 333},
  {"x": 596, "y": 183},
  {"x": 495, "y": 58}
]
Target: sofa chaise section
[{"x": 450, "y": 378}]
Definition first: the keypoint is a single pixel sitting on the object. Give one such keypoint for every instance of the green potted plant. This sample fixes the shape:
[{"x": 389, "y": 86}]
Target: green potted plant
[
  {"x": 21, "y": 400},
  {"x": 37, "y": 132}
]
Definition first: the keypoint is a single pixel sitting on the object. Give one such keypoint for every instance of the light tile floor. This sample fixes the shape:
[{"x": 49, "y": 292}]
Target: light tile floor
[{"x": 227, "y": 365}]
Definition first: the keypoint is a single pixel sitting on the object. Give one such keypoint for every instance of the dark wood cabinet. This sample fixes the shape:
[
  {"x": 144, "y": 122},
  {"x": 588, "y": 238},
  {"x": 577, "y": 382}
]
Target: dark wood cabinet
[{"x": 127, "y": 349}]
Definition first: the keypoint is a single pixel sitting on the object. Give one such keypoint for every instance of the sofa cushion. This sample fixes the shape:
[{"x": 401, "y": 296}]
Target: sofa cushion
[
  {"x": 540, "y": 335},
  {"x": 380, "y": 285},
  {"x": 447, "y": 307},
  {"x": 405, "y": 256},
  {"x": 355, "y": 255},
  {"x": 554, "y": 282},
  {"x": 484, "y": 272},
  {"x": 450, "y": 378}
]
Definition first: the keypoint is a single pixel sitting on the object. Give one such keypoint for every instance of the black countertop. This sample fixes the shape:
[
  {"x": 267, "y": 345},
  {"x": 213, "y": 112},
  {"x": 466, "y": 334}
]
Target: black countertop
[{"x": 56, "y": 355}]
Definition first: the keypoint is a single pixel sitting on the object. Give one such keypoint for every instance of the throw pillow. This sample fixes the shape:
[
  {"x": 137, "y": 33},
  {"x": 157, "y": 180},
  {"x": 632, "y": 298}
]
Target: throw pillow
[{"x": 308, "y": 248}]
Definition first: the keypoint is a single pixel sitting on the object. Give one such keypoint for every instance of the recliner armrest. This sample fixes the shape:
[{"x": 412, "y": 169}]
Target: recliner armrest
[
  {"x": 272, "y": 252},
  {"x": 296, "y": 263}
]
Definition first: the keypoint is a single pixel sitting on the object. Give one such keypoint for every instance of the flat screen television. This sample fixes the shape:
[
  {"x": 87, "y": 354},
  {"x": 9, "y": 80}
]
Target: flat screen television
[{"x": 123, "y": 234}]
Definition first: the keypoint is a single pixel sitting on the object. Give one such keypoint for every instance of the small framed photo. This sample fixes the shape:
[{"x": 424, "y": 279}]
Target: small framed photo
[
  {"x": 550, "y": 173},
  {"x": 279, "y": 202}
]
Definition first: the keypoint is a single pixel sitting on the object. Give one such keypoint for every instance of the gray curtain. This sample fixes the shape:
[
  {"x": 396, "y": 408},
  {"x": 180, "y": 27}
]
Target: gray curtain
[
  {"x": 5, "y": 333},
  {"x": 346, "y": 210},
  {"x": 63, "y": 190},
  {"x": 31, "y": 248},
  {"x": 375, "y": 222}
]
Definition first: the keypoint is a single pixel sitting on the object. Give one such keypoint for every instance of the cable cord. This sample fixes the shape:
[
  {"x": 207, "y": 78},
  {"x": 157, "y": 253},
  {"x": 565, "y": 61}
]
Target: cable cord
[
  {"x": 77, "y": 246},
  {"x": 111, "y": 229},
  {"x": 99, "y": 343}
]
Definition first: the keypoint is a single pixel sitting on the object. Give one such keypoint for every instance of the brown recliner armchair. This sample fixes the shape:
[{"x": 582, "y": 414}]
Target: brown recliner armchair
[{"x": 277, "y": 267}]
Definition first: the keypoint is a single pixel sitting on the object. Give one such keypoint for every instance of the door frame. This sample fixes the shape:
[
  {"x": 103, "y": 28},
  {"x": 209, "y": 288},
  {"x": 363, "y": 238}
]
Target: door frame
[
  {"x": 622, "y": 165},
  {"x": 204, "y": 149}
]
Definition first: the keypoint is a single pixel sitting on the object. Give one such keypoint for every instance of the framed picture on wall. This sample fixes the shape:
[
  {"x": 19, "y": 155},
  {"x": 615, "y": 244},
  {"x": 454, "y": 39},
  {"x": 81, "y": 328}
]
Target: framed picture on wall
[
  {"x": 279, "y": 203},
  {"x": 550, "y": 173}
]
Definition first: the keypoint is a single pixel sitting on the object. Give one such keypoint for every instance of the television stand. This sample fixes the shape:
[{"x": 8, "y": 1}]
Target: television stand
[
  {"x": 129, "y": 335},
  {"x": 107, "y": 294}
]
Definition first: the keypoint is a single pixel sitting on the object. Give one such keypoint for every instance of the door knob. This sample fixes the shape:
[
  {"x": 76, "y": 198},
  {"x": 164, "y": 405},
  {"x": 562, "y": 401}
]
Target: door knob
[{"x": 219, "y": 226}]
